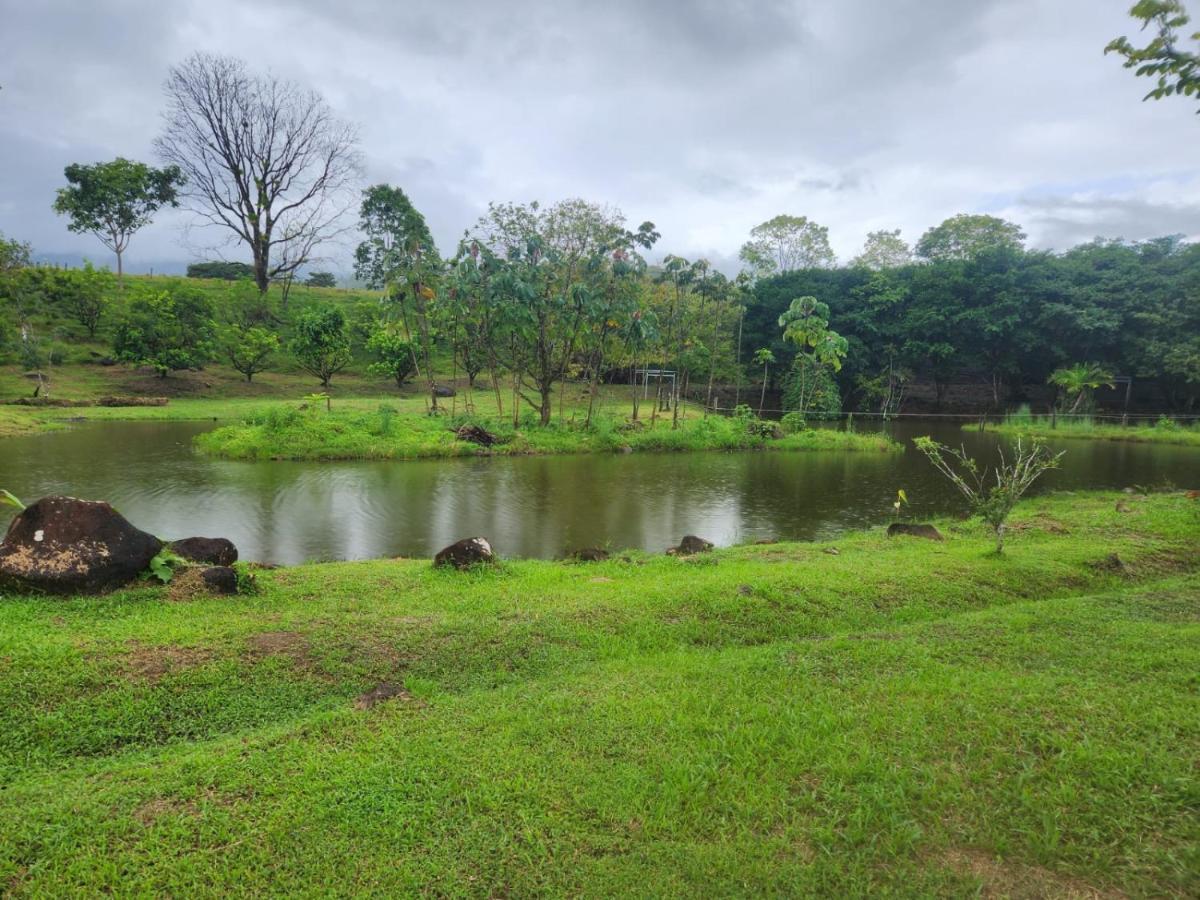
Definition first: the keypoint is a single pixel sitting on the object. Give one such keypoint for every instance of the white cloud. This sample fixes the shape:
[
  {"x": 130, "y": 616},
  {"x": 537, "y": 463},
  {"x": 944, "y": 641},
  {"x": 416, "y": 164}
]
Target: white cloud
[{"x": 706, "y": 117}]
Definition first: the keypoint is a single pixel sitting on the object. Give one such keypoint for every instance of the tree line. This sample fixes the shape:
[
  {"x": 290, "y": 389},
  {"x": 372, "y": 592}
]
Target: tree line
[{"x": 544, "y": 295}]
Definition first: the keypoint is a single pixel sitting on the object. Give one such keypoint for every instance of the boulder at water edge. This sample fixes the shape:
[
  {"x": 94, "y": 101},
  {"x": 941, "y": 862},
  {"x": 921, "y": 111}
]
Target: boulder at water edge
[
  {"x": 214, "y": 551},
  {"x": 914, "y": 529},
  {"x": 466, "y": 553},
  {"x": 692, "y": 544},
  {"x": 61, "y": 545},
  {"x": 590, "y": 554}
]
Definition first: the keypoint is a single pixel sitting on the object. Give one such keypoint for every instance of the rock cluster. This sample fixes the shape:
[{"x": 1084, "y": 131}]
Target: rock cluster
[{"x": 63, "y": 545}]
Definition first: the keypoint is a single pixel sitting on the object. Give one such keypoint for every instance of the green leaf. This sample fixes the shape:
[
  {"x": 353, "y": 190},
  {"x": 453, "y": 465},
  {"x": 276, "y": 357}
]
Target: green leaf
[
  {"x": 10, "y": 499},
  {"x": 164, "y": 563}
]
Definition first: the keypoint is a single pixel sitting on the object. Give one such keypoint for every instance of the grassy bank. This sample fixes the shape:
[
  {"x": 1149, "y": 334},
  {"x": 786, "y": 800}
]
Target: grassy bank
[
  {"x": 904, "y": 717},
  {"x": 387, "y": 433},
  {"x": 1038, "y": 427}
]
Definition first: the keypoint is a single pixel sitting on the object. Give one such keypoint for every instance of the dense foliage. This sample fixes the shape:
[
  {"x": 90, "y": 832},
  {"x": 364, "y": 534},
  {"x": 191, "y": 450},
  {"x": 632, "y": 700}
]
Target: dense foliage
[
  {"x": 229, "y": 271},
  {"x": 1006, "y": 317}
]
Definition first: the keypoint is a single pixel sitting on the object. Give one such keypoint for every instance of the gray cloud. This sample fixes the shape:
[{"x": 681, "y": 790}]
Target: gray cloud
[{"x": 706, "y": 116}]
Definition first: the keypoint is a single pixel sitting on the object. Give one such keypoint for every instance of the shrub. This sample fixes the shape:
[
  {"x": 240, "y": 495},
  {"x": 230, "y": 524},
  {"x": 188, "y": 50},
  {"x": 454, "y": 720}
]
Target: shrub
[
  {"x": 321, "y": 345},
  {"x": 793, "y": 423},
  {"x": 993, "y": 502},
  {"x": 167, "y": 328}
]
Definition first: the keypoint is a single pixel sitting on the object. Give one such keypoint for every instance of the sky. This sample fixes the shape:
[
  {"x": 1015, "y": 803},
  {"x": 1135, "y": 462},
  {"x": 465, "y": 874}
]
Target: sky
[{"x": 703, "y": 116}]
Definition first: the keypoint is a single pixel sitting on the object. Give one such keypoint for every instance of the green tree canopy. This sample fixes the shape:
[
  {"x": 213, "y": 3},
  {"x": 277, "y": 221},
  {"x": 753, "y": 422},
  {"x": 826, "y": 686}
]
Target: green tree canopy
[
  {"x": 321, "y": 279},
  {"x": 785, "y": 243},
  {"x": 884, "y": 250},
  {"x": 965, "y": 236},
  {"x": 113, "y": 200},
  {"x": 219, "y": 268}
]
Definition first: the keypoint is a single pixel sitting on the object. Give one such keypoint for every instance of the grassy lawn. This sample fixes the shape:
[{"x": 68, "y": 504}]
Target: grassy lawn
[
  {"x": 903, "y": 716},
  {"x": 1065, "y": 429}
]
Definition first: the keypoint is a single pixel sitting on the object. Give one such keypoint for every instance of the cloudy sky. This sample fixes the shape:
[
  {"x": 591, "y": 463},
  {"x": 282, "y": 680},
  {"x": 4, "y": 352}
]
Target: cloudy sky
[{"x": 704, "y": 116}]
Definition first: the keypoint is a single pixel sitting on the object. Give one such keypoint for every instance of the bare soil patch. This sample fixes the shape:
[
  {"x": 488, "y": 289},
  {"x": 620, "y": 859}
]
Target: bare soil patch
[{"x": 1017, "y": 881}]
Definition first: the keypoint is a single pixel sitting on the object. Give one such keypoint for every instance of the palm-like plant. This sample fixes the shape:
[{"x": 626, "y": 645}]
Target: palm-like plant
[
  {"x": 764, "y": 358},
  {"x": 1078, "y": 381}
]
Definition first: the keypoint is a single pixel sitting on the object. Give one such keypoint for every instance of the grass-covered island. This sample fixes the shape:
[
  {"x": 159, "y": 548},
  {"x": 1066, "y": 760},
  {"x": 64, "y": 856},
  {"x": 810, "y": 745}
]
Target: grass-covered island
[
  {"x": 1164, "y": 431},
  {"x": 289, "y": 432},
  {"x": 899, "y": 716}
]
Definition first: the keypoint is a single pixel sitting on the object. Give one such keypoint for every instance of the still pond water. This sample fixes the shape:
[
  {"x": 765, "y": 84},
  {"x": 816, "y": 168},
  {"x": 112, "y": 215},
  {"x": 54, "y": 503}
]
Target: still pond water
[{"x": 289, "y": 512}]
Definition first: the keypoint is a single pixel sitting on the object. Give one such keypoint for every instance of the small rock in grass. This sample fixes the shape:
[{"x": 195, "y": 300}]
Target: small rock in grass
[
  {"x": 220, "y": 579},
  {"x": 379, "y": 694},
  {"x": 745, "y": 590},
  {"x": 914, "y": 529},
  {"x": 468, "y": 552},
  {"x": 214, "y": 551},
  {"x": 832, "y": 551}
]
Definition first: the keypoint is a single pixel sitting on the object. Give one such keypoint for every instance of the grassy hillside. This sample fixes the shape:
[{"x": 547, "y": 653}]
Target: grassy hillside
[{"x": 902, "y": 717}]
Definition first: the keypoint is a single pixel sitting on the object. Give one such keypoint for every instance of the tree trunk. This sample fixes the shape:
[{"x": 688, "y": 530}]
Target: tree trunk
[
  {"x": 737, "y": 388},
  {"x": 120, "y": 278},
  {"x": 260, "y": 271},
  {"x": 633, "y": 381},
  {"x": 762, "y": 398}
]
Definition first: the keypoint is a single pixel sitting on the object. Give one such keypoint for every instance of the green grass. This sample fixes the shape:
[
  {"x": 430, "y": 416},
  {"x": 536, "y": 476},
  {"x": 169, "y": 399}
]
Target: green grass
[
  {"x": 387, "y": 433},
  {"x": 1165, "y": 432},
  {"x": 903, "y": 717}
]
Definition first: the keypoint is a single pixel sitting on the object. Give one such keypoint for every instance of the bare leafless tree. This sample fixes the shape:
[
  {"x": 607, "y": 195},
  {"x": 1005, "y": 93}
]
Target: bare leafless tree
[{"x": 265, "y": 159}]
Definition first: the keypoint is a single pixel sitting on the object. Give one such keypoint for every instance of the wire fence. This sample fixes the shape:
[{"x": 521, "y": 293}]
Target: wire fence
[{"x": 990, "y": 416}]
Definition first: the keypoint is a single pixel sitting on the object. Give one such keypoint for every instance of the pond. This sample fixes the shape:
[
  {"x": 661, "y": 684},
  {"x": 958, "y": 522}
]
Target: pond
[{"x": 290, "y": 512}]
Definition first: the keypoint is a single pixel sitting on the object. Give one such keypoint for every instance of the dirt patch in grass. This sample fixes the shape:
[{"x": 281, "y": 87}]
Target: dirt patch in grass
[
  {"x": 186, "y": 584},
  {"x": 380, "y": 694},
  {"x": 291, "y": 644},
  {"x": 1018, "y": 881},
  {"x": 153, "y": 810},
  {"x": 168, "y": 806},
  {"x": 151, "y": 663}
]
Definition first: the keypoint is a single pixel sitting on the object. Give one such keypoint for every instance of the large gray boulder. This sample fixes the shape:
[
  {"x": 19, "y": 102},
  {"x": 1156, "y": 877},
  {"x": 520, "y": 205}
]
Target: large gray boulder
[
  {"x": 61, "y": 545},
  {"x": 466, "y": 553}
]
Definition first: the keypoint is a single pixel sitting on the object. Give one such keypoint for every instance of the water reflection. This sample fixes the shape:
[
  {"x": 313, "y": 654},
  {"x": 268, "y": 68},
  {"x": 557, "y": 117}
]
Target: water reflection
[{"x": 539, "y": 506}]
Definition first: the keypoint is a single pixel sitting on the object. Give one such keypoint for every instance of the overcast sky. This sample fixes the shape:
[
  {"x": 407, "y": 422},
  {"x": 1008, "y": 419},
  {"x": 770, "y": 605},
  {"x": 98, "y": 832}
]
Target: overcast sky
[{"x": 704, "y": 117}]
